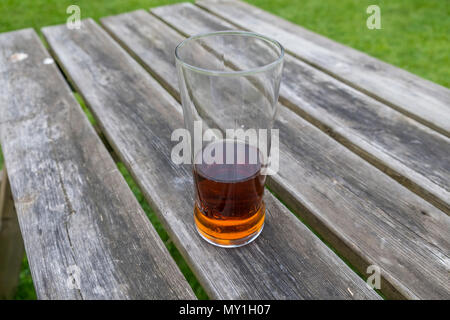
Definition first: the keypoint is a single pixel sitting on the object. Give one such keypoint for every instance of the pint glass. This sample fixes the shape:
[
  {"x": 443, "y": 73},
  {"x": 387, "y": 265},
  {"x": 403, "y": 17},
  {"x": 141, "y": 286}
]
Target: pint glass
[{"x": 229, "y": 83}]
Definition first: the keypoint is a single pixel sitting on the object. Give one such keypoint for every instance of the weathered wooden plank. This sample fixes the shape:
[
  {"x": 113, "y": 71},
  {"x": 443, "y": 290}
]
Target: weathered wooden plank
[
  {"x": 11, "y": 243},
  {"x": 413, "y": 154},
  {"x": 138, "y": 116},
  {"x": 85, "y": 234},
  {"x": 363, "y": 213},
  {"x": 416, "y": 97}
]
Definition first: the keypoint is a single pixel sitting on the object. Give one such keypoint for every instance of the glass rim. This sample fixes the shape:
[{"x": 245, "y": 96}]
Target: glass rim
[{"x": 249, "y": 71}]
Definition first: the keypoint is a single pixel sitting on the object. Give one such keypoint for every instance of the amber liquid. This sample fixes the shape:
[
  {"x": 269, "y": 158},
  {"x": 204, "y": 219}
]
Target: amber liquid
[{"x": 229, "y": 207}]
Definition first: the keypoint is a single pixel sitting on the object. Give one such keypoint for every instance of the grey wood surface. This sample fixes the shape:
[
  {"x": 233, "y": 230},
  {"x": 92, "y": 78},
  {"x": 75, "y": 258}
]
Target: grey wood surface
[
  {"x": 85, "y": 234},
  {"x": 411, "y": 153},
  {"x": 363, "y": 213},
  {"x": 138, "y": 116},
  {"x": 420, "y": 99},
  {"x": 11, "y": 243}
]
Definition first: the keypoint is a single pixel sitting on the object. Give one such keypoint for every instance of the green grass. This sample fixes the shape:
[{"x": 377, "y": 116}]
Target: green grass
[
  {"x": 414, "y": 36},
  {"x": 25, "y": 290},
  {"x": 18, "y": 14},
  {"x": 1, "y": 158}
]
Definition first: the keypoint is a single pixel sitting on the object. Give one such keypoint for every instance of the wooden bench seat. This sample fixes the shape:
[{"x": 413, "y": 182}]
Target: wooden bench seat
[{"x": 363, "y": 172}]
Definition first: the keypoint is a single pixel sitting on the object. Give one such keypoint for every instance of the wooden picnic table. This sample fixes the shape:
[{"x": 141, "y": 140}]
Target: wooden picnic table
[{"x": 363, "y": 180}]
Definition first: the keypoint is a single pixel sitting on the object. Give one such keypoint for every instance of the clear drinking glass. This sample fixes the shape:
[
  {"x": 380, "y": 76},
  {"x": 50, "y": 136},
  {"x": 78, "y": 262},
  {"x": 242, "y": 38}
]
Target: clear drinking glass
[{"x": 229, "y": 83}]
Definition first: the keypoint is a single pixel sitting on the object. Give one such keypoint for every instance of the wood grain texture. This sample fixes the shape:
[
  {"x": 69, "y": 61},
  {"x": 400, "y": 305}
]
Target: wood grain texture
[
  {"x": 408, "y": 151},
  {"x": 11, "y": 243},
  {"x": 416, "y": 97},
  {"x": 364, "y": 214},
  {"x": 85, "y": 234},
  {"x": 138, "y": 116}
]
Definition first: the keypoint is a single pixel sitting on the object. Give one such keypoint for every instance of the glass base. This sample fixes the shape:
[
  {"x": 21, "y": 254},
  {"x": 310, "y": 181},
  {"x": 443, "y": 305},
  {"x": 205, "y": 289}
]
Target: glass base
[
  {"x": 230, "y": 233},
  {"x": 225, "y": 243}
]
